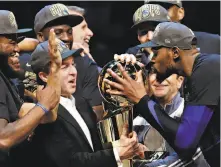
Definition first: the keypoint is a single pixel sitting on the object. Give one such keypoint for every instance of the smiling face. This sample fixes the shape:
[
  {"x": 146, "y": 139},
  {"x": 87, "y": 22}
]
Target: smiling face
[
  {"x": 13, "y": 62},
  {"x": 62, "y": 32},
  {"x": 82, "y": 33},
  {"x": 168, "y": 88},
  {"x": 9, "y": 55},
  {"x": 68, "y": 77}
]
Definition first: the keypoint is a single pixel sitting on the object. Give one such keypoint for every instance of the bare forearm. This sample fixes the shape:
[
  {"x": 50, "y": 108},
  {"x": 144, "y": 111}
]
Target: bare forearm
[
  {"x": 14, "y": 133},
  {"x": 28, "y": 44}
]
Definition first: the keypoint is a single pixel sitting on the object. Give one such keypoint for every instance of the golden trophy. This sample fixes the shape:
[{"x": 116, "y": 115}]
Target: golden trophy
[{"x": 118, "y": 109}]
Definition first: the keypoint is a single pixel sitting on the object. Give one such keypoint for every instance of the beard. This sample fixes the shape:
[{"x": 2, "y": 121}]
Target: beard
[{"x": 7, "y": 70}]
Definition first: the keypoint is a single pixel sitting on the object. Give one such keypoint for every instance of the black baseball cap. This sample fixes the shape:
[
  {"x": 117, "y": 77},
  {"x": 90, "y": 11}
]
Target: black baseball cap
[
  {"x": 55, "y": 14},
  {"x": 8, "y": 25},
  {"x": 165, "y": 3},
  {"x": 171, "y": 34},
  {"x": 40, "y": 57},
  {"x": 150, "y": 13}
]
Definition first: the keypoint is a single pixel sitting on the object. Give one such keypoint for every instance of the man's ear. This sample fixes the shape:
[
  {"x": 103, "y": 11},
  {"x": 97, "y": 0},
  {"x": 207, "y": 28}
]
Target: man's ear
[
  {"x": 43, "y": 76},
  {"x": 180, "y": 80},
  {"x": 181, "y": 13},
  {"x": 176, "y": 56},
  {"x": 40, "y": 37}
]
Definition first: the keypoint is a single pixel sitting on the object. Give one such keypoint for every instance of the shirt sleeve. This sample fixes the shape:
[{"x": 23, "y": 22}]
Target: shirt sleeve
[
  {"x": 182, "y": 135},
  {"x": 204, "y": 83}
]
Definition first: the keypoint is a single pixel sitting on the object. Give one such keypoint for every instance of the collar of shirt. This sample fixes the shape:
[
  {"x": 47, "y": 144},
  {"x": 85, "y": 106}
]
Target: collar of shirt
[
  {"x": 67, "y": 101},
  {"x": 173, "y": 106}
]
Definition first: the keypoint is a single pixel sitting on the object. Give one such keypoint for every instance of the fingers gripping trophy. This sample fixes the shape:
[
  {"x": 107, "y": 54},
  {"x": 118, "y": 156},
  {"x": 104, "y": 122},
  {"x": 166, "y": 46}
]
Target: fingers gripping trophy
[{"x": 118, "y": 109}]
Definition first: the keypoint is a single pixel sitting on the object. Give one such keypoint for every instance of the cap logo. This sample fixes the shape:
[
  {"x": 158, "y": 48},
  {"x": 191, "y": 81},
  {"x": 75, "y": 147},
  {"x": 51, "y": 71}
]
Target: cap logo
[
  {"x": 167, "y": 41},
  {"x": 61, "y": 47},
  {"x": 58, "y": 10},
  {"x": 146, "y": 11},
  {"x": 12, "y": 20}
]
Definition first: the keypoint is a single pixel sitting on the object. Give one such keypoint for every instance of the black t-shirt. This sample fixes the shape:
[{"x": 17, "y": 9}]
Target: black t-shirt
[
  {"x": 205, "y": 90},
  {"x": 10, "y": 104},
  {"x": 205, "y": 80},
  {"x": 208, "y": 43}
]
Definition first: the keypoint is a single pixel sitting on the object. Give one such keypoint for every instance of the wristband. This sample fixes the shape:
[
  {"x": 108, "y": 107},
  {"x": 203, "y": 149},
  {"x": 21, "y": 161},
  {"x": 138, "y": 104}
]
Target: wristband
[{"x": 42, "y": 107}]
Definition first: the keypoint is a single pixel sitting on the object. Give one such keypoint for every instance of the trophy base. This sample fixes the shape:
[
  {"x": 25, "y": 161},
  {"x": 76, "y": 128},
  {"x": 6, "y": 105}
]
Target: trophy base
[{"x": 110, "y": 130}]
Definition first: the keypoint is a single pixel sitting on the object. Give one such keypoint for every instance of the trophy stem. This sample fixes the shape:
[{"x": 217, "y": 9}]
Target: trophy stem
[{"x": 111, "y": 128}]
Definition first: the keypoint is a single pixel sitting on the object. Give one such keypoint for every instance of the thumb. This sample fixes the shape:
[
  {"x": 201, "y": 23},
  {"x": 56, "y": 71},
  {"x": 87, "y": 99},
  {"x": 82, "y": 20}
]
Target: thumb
[
  {"x": 141, "y": 155},
  {"x": 125, "y": 130},
  {"x": 142, "y": 149}
]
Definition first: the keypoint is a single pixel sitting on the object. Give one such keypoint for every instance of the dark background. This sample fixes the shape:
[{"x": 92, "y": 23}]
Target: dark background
[{"x": 111, "y": 21}]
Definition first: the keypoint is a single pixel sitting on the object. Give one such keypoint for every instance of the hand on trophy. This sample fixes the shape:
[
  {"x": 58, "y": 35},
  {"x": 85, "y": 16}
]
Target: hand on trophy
[
  {"x": 128, "y": 146},
  {"x": 134, "y": 90},
  {"x": 128, "y": 58}
]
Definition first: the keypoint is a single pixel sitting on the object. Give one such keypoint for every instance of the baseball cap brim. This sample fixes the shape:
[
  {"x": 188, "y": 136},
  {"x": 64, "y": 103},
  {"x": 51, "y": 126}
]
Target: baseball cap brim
[
  {"x": 71, "y": 53},
  {"x": 71, "y": 20},
  {"x": 24, "y": 30},
  {"x": 149, "y": 44},
  {"x": 21, "y": 38}
]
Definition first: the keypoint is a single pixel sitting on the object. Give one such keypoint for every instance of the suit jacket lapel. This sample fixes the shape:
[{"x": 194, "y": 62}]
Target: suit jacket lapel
[
  {"x": 71, "y": 120},
  {"x": 90, "y": 119}
]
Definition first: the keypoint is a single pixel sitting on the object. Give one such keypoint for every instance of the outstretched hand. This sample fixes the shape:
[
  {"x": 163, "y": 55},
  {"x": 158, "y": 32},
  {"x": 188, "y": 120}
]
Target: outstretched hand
[
  {"x": 54, "y": 77},
  {"x": 134, "y": 90},
  {"x": 54, "y": 52}
]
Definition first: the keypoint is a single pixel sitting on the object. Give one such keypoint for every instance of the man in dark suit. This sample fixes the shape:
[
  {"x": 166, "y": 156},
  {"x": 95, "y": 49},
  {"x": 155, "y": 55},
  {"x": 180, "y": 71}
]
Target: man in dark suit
[{"x": 73, "y": 140}]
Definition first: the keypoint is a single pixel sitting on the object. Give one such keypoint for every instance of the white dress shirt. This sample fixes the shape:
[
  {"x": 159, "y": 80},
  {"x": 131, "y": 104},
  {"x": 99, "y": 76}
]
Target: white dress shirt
[{"x": 69, "y": 105}]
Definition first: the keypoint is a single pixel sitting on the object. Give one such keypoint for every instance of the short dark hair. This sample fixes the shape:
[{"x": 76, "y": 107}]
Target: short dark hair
[
  {"x": 45, "y": 69},
  {"x": 77, "y": 9}
]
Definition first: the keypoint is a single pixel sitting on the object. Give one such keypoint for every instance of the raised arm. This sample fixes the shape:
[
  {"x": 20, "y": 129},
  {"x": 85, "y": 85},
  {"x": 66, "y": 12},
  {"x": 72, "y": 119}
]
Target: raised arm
[
  {"x": 53, "y": 80},
  {"x": 54, "y": 75}
]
